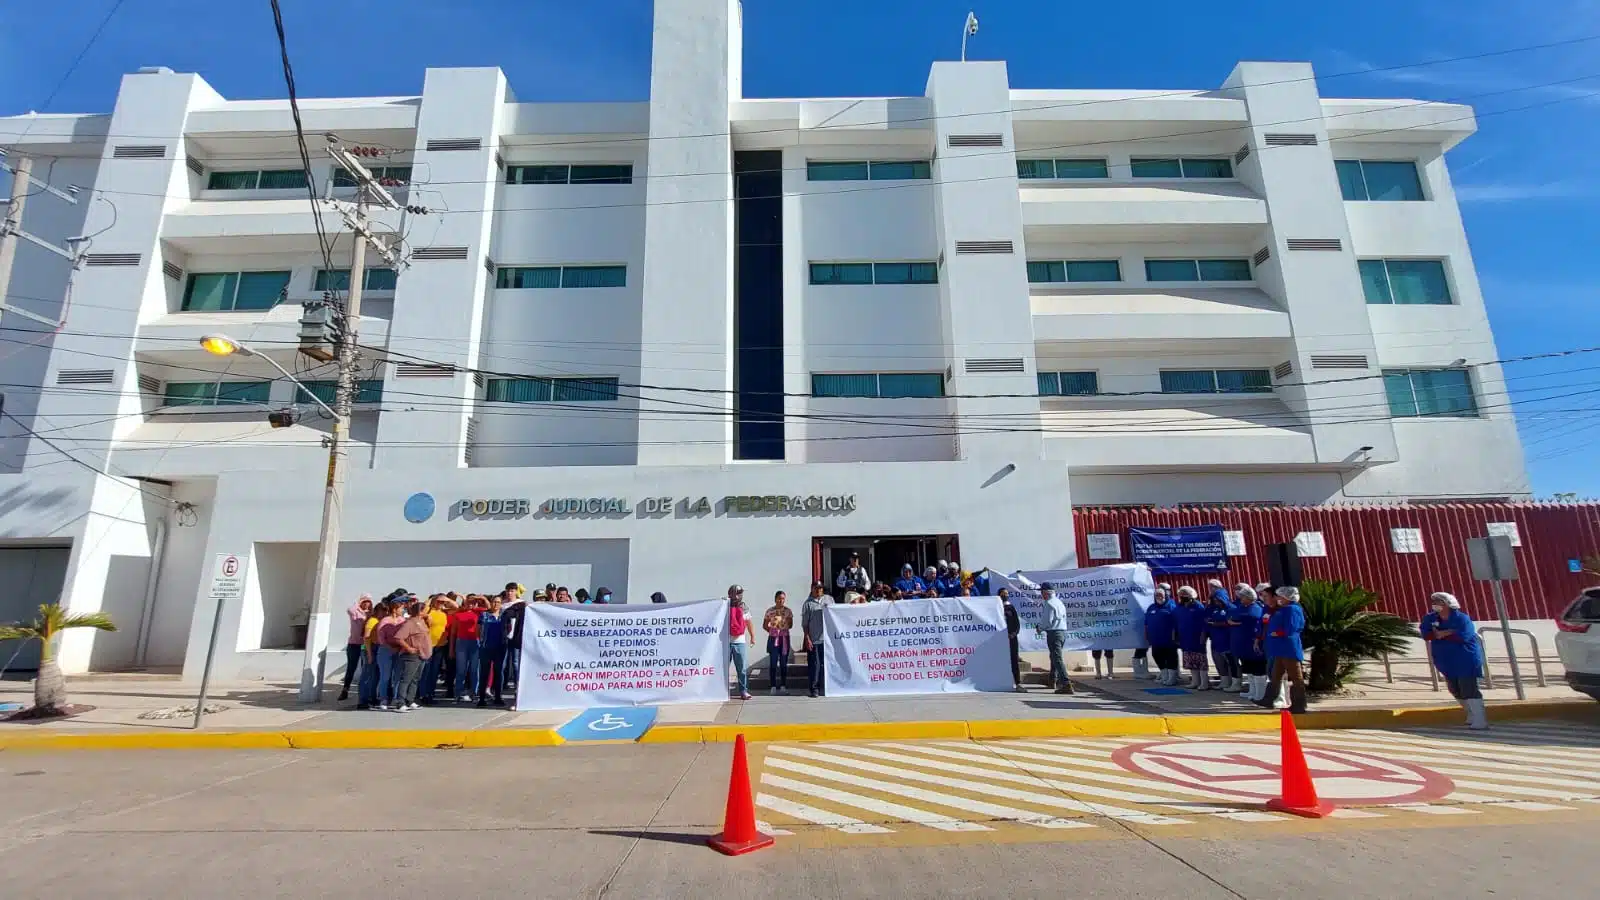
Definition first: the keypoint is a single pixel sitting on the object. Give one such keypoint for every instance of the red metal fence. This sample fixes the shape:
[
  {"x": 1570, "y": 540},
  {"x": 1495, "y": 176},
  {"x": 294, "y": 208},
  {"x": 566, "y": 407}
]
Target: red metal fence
[{"x": 1360, "y": 549}]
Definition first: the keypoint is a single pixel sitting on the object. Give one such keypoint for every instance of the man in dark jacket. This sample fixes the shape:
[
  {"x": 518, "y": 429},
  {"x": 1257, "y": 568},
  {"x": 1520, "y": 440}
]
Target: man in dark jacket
[
  {"x": 1013, "y": 628},
  {"x": 513, "y": 608}
]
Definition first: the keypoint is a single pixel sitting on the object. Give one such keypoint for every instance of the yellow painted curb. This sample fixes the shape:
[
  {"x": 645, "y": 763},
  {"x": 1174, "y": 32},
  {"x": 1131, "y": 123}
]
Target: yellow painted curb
[
  {"x": 1005, "y": 729},
  {"x": 840, "y": 731},
  {"x": 673, "y": 734},
  {"x": 512, "y": 737},
  {"x": 377, "y": 739},
  {"x": 155, "y": 740},
  {"x": 1219, "y": 723}
]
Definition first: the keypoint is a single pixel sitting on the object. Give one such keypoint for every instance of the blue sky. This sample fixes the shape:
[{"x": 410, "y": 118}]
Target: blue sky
[{"x": 1527, "y": 181}]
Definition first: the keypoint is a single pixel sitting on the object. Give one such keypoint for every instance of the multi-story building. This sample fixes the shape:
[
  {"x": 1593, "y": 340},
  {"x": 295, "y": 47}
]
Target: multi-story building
[{"x": 705, "y": 339}]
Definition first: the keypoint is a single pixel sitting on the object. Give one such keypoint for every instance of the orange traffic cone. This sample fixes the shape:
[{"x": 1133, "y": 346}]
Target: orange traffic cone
[
  {"x": 739, "y": 834},
  {"x": 1298, "y": 795}
]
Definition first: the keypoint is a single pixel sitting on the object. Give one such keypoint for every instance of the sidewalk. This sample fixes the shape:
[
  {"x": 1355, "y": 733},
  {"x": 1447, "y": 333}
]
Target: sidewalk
[{"x": 123, "y": 706}]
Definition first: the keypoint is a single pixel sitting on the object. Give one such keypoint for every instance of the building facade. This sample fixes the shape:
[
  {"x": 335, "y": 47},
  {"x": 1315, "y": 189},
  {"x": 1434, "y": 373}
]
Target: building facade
[{"x": 704, "y": 339}]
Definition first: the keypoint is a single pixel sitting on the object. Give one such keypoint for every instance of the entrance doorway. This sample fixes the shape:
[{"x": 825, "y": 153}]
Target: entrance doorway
[{"x": 882, "y": 556}]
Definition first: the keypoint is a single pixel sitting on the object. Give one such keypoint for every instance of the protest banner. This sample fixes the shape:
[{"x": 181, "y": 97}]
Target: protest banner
[
  {"x": 1193, "y": 550},
  {"x": 1105, "y": 604},
  {"x": 584, "y": 656},
  {"x": 928, "y": 646}
]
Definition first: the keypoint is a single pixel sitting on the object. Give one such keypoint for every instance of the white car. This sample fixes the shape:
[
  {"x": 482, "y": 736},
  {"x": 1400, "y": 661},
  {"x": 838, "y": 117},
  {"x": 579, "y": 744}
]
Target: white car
[{"x": 1578, "y": 642}]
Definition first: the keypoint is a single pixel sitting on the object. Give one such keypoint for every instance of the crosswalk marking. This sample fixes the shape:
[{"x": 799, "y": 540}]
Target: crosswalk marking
[
  {"x": 953, "y": 801},
  {"x": 1032, "y": 774},
  {"x": 882, "y": 807},
  {"x": 1052, "y": 789},
  {"x": 816, "y": 816},
  {"x": 769, "y": 828},
  {"x": 1000, "y": 774}
]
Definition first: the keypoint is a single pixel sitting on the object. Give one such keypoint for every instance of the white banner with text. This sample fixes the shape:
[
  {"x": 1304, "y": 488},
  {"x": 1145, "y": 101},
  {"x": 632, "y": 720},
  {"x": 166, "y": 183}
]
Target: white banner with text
[
  {"x": 1105, "y": 604},
  {"x": 930, "y": 646},
  {"x": 583, "y": 656}
]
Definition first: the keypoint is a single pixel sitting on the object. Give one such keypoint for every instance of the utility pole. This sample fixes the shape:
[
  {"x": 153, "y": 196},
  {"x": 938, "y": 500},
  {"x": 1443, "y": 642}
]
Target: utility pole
[
  {"x": 368, "y": 191},
  {"x": 11, "y": 230}
]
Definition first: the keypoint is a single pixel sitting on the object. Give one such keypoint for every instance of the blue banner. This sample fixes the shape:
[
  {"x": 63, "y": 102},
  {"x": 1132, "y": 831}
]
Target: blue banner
[{"x": 1195, "y": 550}]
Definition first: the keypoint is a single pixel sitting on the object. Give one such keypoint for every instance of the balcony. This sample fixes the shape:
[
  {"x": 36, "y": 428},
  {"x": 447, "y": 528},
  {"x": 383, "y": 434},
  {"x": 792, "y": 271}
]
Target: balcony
[
  {"x": 273, "y": 223},
  {"x": 1167, "y": 433},
  {"x": 1141, "y": 211},
  {"x": 1155, "y": 313},
  {"x": 174, "y": 339}
]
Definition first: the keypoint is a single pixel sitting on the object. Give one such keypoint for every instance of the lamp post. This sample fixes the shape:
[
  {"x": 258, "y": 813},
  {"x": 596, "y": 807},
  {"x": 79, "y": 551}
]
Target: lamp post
[{"x": 311, "y": 668}]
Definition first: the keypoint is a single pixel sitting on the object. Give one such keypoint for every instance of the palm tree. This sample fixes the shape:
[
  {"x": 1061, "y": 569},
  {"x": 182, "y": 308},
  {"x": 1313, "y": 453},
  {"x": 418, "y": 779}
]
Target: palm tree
[
  {"x": 50, "y": 687},
  {"x": 1342, "y": 629}
]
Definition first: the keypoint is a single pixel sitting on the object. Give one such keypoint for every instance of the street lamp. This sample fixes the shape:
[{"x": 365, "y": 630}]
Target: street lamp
[
  {"x": 222, "y": 345},
  {"x": 311, "y": 668}
]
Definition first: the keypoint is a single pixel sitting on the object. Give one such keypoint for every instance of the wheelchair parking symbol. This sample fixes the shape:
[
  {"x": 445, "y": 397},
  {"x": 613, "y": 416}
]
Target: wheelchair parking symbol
[{"x": 621, "y": 723}]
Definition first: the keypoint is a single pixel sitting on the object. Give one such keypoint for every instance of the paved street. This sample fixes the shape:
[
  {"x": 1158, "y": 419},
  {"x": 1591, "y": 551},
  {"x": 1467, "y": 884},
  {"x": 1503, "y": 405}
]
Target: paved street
[{"x": 1427, "y": 812}]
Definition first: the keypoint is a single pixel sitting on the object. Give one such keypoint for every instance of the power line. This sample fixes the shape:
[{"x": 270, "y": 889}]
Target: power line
[{"x": 300, "y": 135}]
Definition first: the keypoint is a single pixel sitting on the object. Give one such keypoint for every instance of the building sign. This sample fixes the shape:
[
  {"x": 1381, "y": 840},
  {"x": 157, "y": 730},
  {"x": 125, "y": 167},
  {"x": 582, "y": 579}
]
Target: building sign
[
  {"x": 651, "y": 507},
  {"x": 227, "y": 576}
]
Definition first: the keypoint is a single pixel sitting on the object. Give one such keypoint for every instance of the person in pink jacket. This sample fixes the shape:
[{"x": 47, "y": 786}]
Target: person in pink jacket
[
  {"x": 739, "y": 639},
  {"x": 352, "y": 648}
]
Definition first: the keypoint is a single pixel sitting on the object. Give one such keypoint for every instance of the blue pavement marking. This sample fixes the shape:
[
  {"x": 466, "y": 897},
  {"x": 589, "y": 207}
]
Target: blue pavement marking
[
  {"x": 1165, "y": 692},
  {"x": 609, "y": 723}
]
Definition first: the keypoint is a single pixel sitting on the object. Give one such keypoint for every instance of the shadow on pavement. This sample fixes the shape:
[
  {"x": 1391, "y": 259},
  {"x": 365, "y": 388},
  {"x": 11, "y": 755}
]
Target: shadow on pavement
[{"x": 665, "y": 837}]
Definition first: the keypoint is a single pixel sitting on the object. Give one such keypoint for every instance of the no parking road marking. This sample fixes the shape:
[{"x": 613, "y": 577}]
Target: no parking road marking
[{"x": 1253, "y": 771}]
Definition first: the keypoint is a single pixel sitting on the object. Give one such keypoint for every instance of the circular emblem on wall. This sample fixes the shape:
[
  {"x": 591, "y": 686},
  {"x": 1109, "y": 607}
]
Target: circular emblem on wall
[{"x": 419, "y": 507}]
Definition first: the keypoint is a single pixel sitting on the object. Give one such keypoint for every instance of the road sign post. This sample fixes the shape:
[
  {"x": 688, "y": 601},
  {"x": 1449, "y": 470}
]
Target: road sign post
[
  {"x": 227, "y": 583},
  {"x": 1493, "y": 561}
]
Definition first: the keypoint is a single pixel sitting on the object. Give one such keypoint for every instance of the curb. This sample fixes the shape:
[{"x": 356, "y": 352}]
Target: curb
[{"x": 977, "y": 730}]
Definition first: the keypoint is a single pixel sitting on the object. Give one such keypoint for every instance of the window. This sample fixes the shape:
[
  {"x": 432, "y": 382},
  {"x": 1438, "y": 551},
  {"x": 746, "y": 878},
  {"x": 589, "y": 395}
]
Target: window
[
  {"x": 1073, "y": 270},
  {"x": 876, "y": 170},
  {"x": 875, "y": 273},
  {"x": 1197, "y": 270},
  {"x": 213, "y": 393},
  {"x": 339, "y": 280},
  {"x": 257, "y": 180},
  {"x": 1416, "y": 393},
  {"x": 234, "y": 291},
  {"x": 578, "y": 173},
  {"x": 1062, "y": 168},
  {"x": 1216, "y": 381},
  {"x": 1182, "y": 168},
  {"x": 1068, "y": 384},
  {"x": 1404, "y": 282},
  {"x": 561, "y": 276},
  {"x": 552, "y": 390},
  {"x": 1365, "y": 179},
  {"x": 913, "y": 384},
  {"x": 384, "y": 174},
  {"x": 367, "y": 391}
]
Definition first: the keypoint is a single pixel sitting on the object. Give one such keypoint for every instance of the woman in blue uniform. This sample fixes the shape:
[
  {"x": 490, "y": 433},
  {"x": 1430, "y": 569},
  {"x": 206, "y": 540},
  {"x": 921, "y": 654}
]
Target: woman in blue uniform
[
  {"x": 1453, "y": 644},
  {"x": 1244, "y": 640},
  {"x": 1161, "y": 633},
  {"x": 1283, "y": 646},
  {"x": 1218, "y": 632},
  {"x": 1192, "y": 637}
]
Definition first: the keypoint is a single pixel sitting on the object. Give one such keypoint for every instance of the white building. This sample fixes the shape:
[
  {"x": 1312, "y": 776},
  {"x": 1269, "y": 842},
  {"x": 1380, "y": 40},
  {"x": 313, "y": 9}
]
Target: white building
[{"x": 948, "y": 318}]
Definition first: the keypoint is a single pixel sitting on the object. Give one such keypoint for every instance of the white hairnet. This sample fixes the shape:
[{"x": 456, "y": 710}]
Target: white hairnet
[{"x": 1447, "y": 599}]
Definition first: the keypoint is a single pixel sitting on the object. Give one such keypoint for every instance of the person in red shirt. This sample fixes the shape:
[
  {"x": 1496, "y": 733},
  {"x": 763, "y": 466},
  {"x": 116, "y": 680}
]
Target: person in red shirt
[{"x": 463, "y": 630}]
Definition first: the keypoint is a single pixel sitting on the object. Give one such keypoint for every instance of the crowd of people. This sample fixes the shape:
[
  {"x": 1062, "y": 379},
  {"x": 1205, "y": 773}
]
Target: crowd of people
[{"x": 404, "y": 652}]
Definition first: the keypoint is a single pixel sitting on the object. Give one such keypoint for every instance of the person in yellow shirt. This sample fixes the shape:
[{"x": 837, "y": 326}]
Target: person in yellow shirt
[
  {"x": 368, "y": 695},
  {"x": 437, "y": 618}
]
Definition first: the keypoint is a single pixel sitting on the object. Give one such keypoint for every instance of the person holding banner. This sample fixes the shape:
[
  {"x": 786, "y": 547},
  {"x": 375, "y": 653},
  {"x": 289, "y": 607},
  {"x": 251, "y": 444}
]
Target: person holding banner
[
  {"x": 1013, "y": 628},
  {"x": 811, "y": 627},
  {"x": 1245, "y": 618},
  {"x": 739, "y": 639},
  {"x": 1192, "y": 638},
  {"x": 1053, "y": 622},
  {"x": 1161, "y": 633},
  {"x": 909, "y": 582}
]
